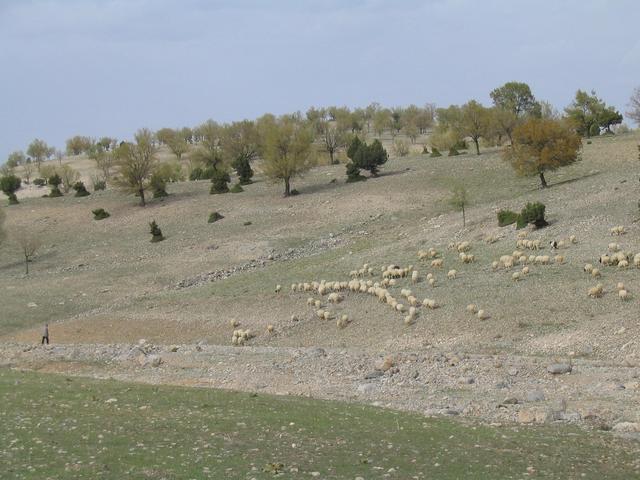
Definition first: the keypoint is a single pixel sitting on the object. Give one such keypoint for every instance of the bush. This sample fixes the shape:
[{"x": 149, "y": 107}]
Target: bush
[
  {"x": 294, "y": 192},
  {"x": 507, "y": 217},
  {"x": 532, "y": 213},
  {"x": 40, "y": 182},
  {"x": 353, "y": 173},
  {"x": 170, "y": 171},
  {"x": 80, "y": 189},
  {"x": 589, "y": 142},
  {"x": 99, "y": 185},
  {"x": 244, "y": 170},
  {"x": 237, "y": 188},
  {"x": 453, "y": 152},
  {"x": 9, "y": 185},
  {"x": 425, "y": 150},
  {"x": 214, "y": 217},
  {"x": 158, "y": 186},
  {"x": 100, "y": 214},
  {"x": 400, "y": 148},
  {"x": 435, "y": 153},
  {"x": 461, "y": 145},
  {"x": 156, "y": 233},
  {"x": 219, "y": 182},
  {"x": 196, "y": 174},
  {"x": 55, "y": 181}
]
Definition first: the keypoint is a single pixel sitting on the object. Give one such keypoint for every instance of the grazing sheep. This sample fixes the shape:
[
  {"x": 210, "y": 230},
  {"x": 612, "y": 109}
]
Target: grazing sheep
[
  {"x": 270, "y": 328},
  {"x": 294, "y": 318},
  {"x": 430, "y": 304},
  {"x": 414, "y": 276},
  {"x": 620, "y": 286},
  {"x": 464, "y": 247},
  {"x": 523, "y": 260},
  {"x": 467, "y": 257},
  {"x": 573, "y": 239},
  {"x": 278, "y": 288},
  {"x": 516, "y": 276},
  {"x": 343, "y": 321},
  {"x": 317, "y": 303},
  {"x": 451, "y": 274},
  {"x": 400, "y": 307},
  {"x": 559, "y": 259},
  {"x": 522, "y": 234},
  {"x": 588, "y": 268},
  {"x": 413, "y": 301},
  {"x": 554, "y": 244},
  {"x": 595, "y": 273},
  {"x": 335, "y": 297},
  {"x": 432, "y": 282},
  {"x": 310, "y": 301},
  {"x": 326, "y": 315},
  {"x": 613, "y": 247},
  {"x": 623, "y": 295},
  {"x": 409, "y": 320},
  {"x": 636, "y": 260},
  {"x": 482, "y": 315},
  {"x": 429, "y": 276},
  {"x": 234, "y": 323},
  {"x": 618, "y": 230},
  {"x": 293, "y": 287},
  {"x": 623, "y": 264},
  {"x": 495, "y": 265},
  {"x": 437, "y": 263},
  {"x": 525, "y": 270},
  {"x": 596, "y": 292},
  {"x": 604, "y": 260},
  {"x": 471, "y": 308},
  {"x": 320, "y": 314}
]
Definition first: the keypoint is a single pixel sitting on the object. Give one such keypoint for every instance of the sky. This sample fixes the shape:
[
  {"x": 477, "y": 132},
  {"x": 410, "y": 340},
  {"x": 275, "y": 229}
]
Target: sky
[{"x": 110, "y": 67}]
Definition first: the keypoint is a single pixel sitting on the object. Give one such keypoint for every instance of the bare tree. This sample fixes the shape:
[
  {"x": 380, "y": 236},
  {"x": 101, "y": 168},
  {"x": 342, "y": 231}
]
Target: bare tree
[
  {"x": 634, "y": 106},
  {"x": 136, "y": 162},
  {"x": 29, "y": 244}
]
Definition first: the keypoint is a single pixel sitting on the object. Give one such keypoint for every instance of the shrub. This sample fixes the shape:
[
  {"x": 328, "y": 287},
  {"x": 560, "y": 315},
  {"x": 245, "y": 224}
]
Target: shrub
[
  {"x": 435, "y": 153},
  {"x": 461, "y": 145},
  {"x": 9, "y": 185},
  {"x": 294, "y": 192},
  {"x": 246, "y": 224},
  {"x": 158, "y": 186},
  {"x": 99, "y": 185},
  {"x": 507, "y": 217},
  {"x": 80, "y": 189},
  {"x": 40, "y": 182},
  {"x": 353, "y": 173},
  {"x": 219, "y": 182},
  {"x": 100, "y": 214},
  {"x": 453, "y": 152},
  {"x": 532, "y": 213},
  {"x": 589, "y": 142},
  {"x": 214, "y": 217},
  {"x": 237, "y": 188},
  {"x": 400, "y": 148},
  {"x": 156, "y": 233},
  {"x": 55, "y": 181},
  {"x": 244, "y": 170},
  {"x": 425, "y": 150},
  {"x": 170, "y": 171},
  {"x": 196, "y": 174}
]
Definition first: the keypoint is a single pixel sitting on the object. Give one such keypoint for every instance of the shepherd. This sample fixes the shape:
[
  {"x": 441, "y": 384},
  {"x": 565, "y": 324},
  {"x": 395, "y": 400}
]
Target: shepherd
[{"x": 45, "y": 334}]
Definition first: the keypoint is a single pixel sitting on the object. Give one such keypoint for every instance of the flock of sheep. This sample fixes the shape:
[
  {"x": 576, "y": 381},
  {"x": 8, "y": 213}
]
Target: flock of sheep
[{"x": 380, "y": 282}]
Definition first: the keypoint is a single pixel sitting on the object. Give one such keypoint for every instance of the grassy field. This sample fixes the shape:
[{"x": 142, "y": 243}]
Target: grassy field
[{"x": 68, "y": 427}]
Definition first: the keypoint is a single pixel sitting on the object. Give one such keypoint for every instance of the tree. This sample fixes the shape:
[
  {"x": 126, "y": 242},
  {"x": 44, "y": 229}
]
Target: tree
[
  {"x": 332, "y": 137},
  {"x": 541, "y": 145},
  {"x": 9, "y": 185},
  {"x": 459, "y": 200},
  {"x": 29, "y": 243},
  {"x": 287, "y": 149},
  {"x": 3, "y": 233},
  {"x": 136, "y": 163},
  {"x": 475, "y": 122},
  {"x": 69, "y": 177},
  {"x": 78, "y": 144},
  {"x": 16, "y": 158},
  {"x": 371, "y": 157},
  {"x": 240, "y": 144},
  {"x": 106, "y": 143},
  {"x": 514, "y": 102},
  {"x": 164, "y": 135},
  {"x": 55, "y": 181},
  {"x": 381, "y": 121},
  {"x": 104, "y": 159},
  {"x": 59, "y": 154},
  {"x": 177, "y": 145},
  {"x": 589, "y": 114},
  {"x": 27, "y": 170},
  {"x": 39, "y": 151},
  {"x": 634, "y": 106}
]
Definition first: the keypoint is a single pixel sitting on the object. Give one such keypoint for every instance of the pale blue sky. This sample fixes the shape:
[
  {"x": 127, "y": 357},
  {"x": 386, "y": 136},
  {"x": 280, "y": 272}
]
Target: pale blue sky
[{"x": 109, "y": 67}]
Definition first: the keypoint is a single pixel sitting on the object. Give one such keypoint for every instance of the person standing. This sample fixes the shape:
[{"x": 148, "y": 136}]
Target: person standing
[{"x": 45, "y": 334}]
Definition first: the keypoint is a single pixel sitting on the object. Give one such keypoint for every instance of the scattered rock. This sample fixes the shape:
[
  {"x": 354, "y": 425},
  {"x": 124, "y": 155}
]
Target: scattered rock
[
  {"x": 32, "y": 305},
  {"x": 367, "y": 388},
  {"x": 154, "y": 360},
  {"x": 510, "y": 401},
  {"x": 466, "y": 380},
  {"x": 559, "y": 368},
  {"x": 535, "y": 396},
  {"x": 374, "y": 374},
  {"x": 385, "y": 364},
  {"x": 626, "y": 427}
]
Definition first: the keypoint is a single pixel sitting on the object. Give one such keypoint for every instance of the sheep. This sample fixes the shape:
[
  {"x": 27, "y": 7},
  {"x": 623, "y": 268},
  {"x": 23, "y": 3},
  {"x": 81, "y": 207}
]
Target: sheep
[
  {"x": 317, "y": 304},
  {"x": 294, "y": 318},
  {"x": 522, "y": 235},
  {"x": 613, "y": 247},
  {"x": 523, "y": 260},
  {"x": 326, "y": 315},
  {"x": 573, "y": 239},
  {"x": 310, "y": 301},
  {"x": 234, "y": 323},
  {"x": 335, "y": 297},
  {"x": 623, "y": 264},
  {"x": 414, "y": 276},
  {"x": 409, "y": 320},
  {"x": 588, "y": 268},
  {"x": 343, "y": 321},
  {"x": 515, "y": 276},
  {"x": 437, "y": 263},
  {"x": 596, "y": 292},
  {"x": 620, "y": 286},
  {"x": 623, "y": 295},
  {"x": 241, "y": 336},
  {"x": 432, "y": 282},
  {"x": 604, "y": 260},
  {"x": 320, "y": 314},
  {"x": 636, "y": 260},
  {"x": 482, "y": 315},
  {"x": 463, "y": 247},
  {"x": 595, "y": 273},
  {"x": 618, "y": 230},
  {"x": 495, "y": 265},
  {"x": 554, "y": 244},
  {"x": 430, "y": 304},
  {"x": 278, "y": 288},
  {"x": 293, "y": 287},
  {"x": 400, "y": 307},
  {"x": 525, "y": 270},
  {"x": 467, "y": 257},
  {"x": 489, "y": 239},
  {"x": 413, "y": 301},
  {"x": 429, "y": 276},
  {"x": 270, "y": 328},
  {"x": 559, "y": 259},
  {"x": 451, "y": 274},
  {"x": 471, "y": 308}
]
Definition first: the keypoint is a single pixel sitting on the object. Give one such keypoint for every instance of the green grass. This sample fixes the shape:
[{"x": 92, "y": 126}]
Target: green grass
[{"x": 57, "y": 427}]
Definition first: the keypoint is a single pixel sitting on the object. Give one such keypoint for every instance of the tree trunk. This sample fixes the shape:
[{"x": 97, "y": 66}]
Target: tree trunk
[
  {"x": 543, "y": 181},
  {"x": 287, "y": 187},
  {"x": 475, "y": 140},
  {"x": 331, "y": 156},
  {"x": 464, "y": 218},
  {"x": 26, "y": 264},
  {"x": 141, "y": 192}
]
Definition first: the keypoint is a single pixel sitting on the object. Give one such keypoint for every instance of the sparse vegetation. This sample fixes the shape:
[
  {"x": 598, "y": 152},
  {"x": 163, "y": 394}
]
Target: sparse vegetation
[
  {"x": 156, "y": 233},
  {"x": 9, "y": 185},
  {"x": 220, "y": 182},
  {"x": 29, "y": 243},
  {"x": 459, "y": 200},
  {"x": 100, "y": 214},
  {"x": 136, "y": 163},
  {"x": 81, "y": 190},
  {"x": 507, "y": 217},
  {"x": 532, "y": 213},
  {"x": 55, "y": 181},
  {"x": 214, "y": 217}
]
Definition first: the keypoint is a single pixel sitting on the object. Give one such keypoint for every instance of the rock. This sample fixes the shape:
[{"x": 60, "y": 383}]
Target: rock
[
  {"x": 385, "y": 364},
  {"x": 154, "y": 360},
  {"x": 32, "y": 305},
  {"x": 374, "y": 374},
  {"x": 559, "y": 368},
  {"x": 173, "y": 349},
  {"x": 535, "y": 396},
  {"x": 510, "y": 401},
  {"x": 317, "y": 353},
  {"x": 532, "y": 416},
  {"x": 626, "y": 427},
  {"x": 466, "y": 380},
  {"x": 111, "y": 400},
  {"x": 367, "y": 388},
  {"x": 513, "y": 372},
  {"x": 141, "y": 359}
]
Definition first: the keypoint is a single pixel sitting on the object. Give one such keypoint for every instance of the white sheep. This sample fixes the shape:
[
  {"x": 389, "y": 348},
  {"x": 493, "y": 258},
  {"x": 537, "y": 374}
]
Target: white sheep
[
  {"x": 618, "y": 230},
  {"x": 432, "y": 282},
  {"x": 451, "y": 274},
  {"x": 472, "y": 308},
  {"x": 613, "y": 247},
  {"x": 623, "y": 295},
  {"x": 437, "y": 263},
  {"x": 525, "y": 270},
  {"x": 559, "y": 259},
  {"x": 596, "y": 292},
  {"x": 620, "y": 286},
  {"x": 623, "y": 264},
  {"x": 573, "y": 239},
  {"x": 482, "y": 315},
  {"x": 270, "y": 328},
  {"x": 343, "y": 321},
  {"x": 430, "y": 304},
  {"x": 414, "y": 276},
  {"x": 588, "y": 268},
  {"x": 335, "y": 297},
  {"x": 516, "y": 276},
  {"x": 327, "y": 315},
  {"x": 278, "y": 288},
  {"x": 595, "y": 273}
]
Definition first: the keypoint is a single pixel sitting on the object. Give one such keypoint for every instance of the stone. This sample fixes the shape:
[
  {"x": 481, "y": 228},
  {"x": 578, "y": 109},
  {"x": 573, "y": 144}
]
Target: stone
[
  {"x": 535, "y": 396},
  {"x": 374, "y": 374},
  {"x": 513, "y": 372},
  {"x": 385, "y": 364},
  {"x": 32, "y": 305},
  {"x": 626, "y": 427},
  {"x": 510, "y": 401},
  {"x": 367, "y": 388},
  {"x": 559, "y": 368},
  {"x": 154, "y": 360},
  {"x": 466, "y": 380}
]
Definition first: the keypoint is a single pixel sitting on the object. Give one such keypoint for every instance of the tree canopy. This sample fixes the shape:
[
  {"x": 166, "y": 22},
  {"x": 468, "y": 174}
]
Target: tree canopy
[
  {"x": 136, "y": 163},
  {"x": 589, "y": 114}
]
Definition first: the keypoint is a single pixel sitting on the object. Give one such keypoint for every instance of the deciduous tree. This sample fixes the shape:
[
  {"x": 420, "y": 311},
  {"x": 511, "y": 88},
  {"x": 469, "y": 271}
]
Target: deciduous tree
[
  {"x": 39, "y": 151},
  {"x": 135, "y": 163}
]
